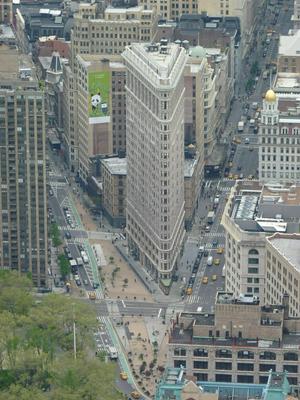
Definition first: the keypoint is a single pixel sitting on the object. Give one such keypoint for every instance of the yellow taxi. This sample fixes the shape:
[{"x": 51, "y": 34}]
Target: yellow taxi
[
  {"x": 92, "y": 296},
  {"x": 230, "y": 164},
  {"x": 123, "y": 376},
  {"x": 205, "y": 280},
  {"x": 220, "y": 250},
  {"x": 217, "y": 261},
  {"x": 236, "y": 177},
  {"x": 135, "y": 395},
  {"x": 189, "y": 291},
  {"x": 230, "y": 176},
  {"x": 214, "y": 277},
  {"x": 237, "y": 140}
]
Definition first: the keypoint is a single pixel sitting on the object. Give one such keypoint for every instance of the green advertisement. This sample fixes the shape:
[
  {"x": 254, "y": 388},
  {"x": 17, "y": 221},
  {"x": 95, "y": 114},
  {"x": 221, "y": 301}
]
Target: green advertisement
[{"x": 99, "y": 96}]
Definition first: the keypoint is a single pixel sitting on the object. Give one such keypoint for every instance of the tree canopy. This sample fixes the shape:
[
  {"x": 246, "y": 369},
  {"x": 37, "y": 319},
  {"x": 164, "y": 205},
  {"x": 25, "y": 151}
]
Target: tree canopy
[{"x": 36, "y": 347}]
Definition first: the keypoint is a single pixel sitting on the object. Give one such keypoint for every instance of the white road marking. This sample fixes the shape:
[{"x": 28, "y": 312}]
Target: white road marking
[
  {"x": 123, "y": 304},
  {"x": 159, "y": 312}
]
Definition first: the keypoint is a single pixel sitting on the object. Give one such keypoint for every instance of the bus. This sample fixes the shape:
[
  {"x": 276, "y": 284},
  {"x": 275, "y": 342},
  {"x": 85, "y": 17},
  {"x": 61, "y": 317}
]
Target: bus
[{"x": 113, "y": 353}]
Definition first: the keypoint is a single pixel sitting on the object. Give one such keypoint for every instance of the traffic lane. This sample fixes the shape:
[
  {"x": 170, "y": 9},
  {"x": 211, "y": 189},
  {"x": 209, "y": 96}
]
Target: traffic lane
[
  {"x": 246, "y": 161},
  {"x": 62, "y": 193},
  {"x": 141, "y": 309},
  {"x": 57, "y": 211},
  {"x": 75, "y": 253}
]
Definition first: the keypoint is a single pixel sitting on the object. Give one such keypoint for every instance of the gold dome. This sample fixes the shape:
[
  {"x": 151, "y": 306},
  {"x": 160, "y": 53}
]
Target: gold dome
[{"x": 270, "y": 95}]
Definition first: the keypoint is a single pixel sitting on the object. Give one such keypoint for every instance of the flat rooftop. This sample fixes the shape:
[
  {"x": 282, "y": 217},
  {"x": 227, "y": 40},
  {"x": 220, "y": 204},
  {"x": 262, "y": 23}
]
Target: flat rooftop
[
  {"x": 189, "y": 167},
  {"x": 6, "y": 33},
  {"x": 229, "y": 298},
  {"x": 289, "y": 45},
  {"x": 268, "y": 208},
  {"x": 288, "y": 246},
  {"x": 116, "y": 165},
  {"x": 11, "y": 63},
  {"x": 162, "y": 63}
]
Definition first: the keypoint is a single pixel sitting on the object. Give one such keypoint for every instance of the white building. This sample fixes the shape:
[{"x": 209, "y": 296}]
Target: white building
[
  {"x": 296, "y": 15},
  {"x": 279, "y": 140},
  {"x": 155, "y": 138},
  {"x": 253, "y": 212},
  {"x": 283, "y": 269}
]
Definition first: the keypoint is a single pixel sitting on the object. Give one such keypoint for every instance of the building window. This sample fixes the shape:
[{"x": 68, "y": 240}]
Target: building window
[
  {"x": 267, "y": 367},
  {"x": 224, "y": 365},
  {"x": 180, "y": 352},
  {"x": 290, "y": 357},
  {"x": 201, "y": 377},
  {"x": 245, "y": 379},
  {"x": 253, "y": 261},
  {"x": 252, "y": 270},
  {"x": 223, "y": 378},
  {"x": 200, "y": 364},
  {"x": 263, "y": 379},
  {"x": 292, "y": 380},
  {"x": 253, "y": 251},
  {"x": 291, "y": 368},
  {"x": 245, "y": 367},
  {"x": 246, "y": 354},
  {"x": 179, "y": 363},
  {"x": 200, "y": 353},
  {"x": 267, "y": 355},
  {"x": 223, "y": 353}
]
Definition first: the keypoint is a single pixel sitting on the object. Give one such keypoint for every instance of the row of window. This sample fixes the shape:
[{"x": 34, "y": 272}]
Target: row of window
[
  {"x": 265, "y": 355},
  {"x": 263, "y": 379},
  {"x": 221, "y": 365}
]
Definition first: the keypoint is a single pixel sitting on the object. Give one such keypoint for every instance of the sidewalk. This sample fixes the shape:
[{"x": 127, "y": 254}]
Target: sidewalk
[{"x": 144, "y": 277}]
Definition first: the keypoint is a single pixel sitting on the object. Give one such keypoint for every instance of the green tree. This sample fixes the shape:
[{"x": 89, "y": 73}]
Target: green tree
[
  {"x": 87, "y": 379},
  {"x": 36, "y": 347},
  {"x": 55, "y": 235},
  {"x": 15, "y": 293},
  {"x": 64, "y": 265},
  {"x": 17, "y": 392},
  {"x": 254, "y": 68}
]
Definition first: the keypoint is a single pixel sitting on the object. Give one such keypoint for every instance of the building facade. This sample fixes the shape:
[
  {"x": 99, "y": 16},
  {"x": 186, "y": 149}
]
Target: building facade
[
  {"x": 23, "y": 200},
  {"x": 112, "y": 32},
  {"x": 296, "y": 15},
  {"x": 283, "y": 270},
  {"x": 105, "y": 34},
  {"x": 6, "y": 12},
  {"x": 70, "y": 131},
  {"x": 240, "y": 343},
  {"x": 288, "y": 60},
  {"x": 252, "y": 213},
  {"x": 101, "y": 109},
  {"x": 155, "y": 139},
  {"x": 279, "y": 140},
  {"x": 176, "y": 384},
  {"x": 114, "y": 173}
]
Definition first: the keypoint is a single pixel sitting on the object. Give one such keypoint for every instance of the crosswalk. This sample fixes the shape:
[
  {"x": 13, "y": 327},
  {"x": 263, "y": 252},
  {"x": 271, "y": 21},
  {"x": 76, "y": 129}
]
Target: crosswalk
[
  {"x": 193, "y": 299},
  {"x": 215, "y": 234}
]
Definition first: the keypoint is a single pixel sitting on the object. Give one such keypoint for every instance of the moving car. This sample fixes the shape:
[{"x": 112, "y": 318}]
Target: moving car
[
  {"x": 205, "y": 280},
  {"x": 123, "y": 376},
  {"x": 92, "y": 296},
  {"x": 135, "y": 395},
  {"x": 189, "y": 291},
  {"x": 214, "y": 277},
  {"x": 220, "y": 250},
  {"x": 217, "y": 261},
  {"x": 209, "y": 261}
]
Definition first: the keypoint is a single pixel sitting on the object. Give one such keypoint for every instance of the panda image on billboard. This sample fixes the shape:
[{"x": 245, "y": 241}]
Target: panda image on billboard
[{"x": 96, "y": 101}]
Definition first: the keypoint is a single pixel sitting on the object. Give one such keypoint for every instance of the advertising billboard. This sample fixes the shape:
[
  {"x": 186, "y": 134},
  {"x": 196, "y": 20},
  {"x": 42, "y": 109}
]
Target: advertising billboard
[{"x": 99, "y": 97}]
